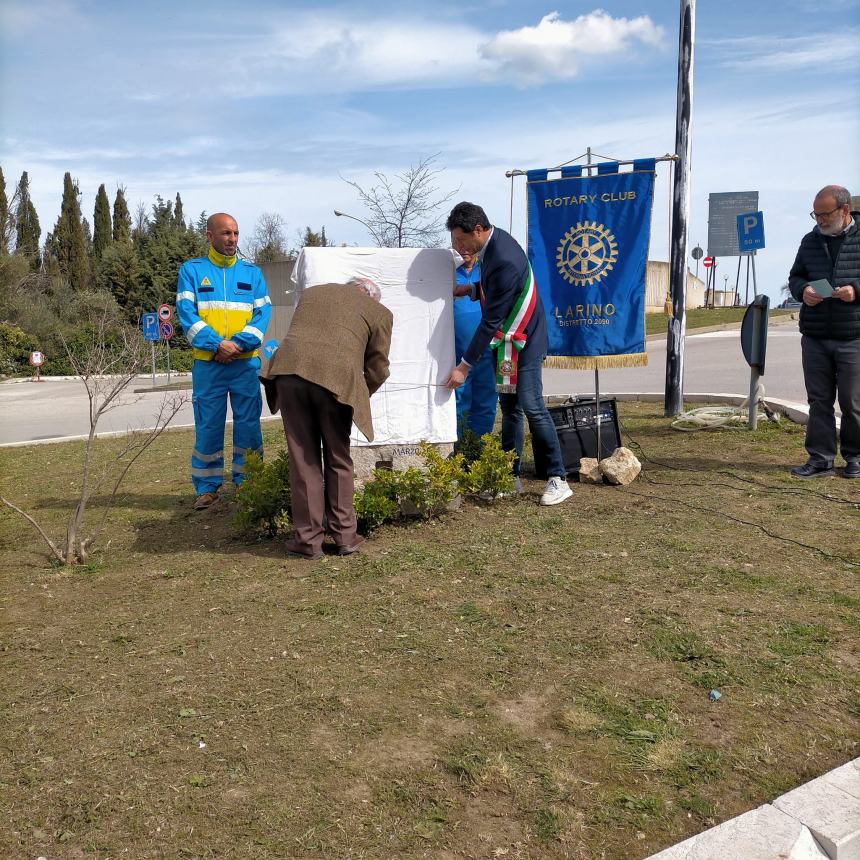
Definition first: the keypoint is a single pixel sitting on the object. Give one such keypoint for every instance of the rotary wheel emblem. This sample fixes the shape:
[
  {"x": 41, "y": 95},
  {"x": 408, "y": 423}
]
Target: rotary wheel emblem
[{"x": 586, "y": 254}]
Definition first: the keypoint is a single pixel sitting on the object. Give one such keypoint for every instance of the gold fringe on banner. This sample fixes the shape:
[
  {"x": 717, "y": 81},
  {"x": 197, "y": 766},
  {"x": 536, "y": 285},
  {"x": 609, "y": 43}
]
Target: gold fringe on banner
[{"x": 596, "y": 362}]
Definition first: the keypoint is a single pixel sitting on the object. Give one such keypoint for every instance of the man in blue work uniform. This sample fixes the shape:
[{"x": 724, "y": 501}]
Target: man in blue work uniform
[
  {"x": 224, "y": 308},
  {"x": 477, "y": 396}
]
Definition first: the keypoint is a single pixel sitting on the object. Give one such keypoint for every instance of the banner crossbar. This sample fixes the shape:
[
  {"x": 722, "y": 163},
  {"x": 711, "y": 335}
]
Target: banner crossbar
[{"x": 592, "y": 165}]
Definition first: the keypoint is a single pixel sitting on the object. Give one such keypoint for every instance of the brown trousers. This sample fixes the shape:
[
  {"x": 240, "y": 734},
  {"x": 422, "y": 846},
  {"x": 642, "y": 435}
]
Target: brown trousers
[{"x": 314, "y": 419}]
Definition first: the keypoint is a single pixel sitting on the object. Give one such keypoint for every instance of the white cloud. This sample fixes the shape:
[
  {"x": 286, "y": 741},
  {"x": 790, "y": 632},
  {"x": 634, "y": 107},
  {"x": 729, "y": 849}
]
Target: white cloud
[
  {"x": 19, "y": 19},
  {"x": 555, "y": 48},
  {"x": 821, "y": 52},
  {"x": 313, "y": 55}
]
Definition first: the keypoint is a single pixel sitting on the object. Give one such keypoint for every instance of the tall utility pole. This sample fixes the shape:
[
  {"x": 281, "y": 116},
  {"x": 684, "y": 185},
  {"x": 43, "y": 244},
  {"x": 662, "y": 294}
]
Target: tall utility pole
[{"x": 674, "y": 400}]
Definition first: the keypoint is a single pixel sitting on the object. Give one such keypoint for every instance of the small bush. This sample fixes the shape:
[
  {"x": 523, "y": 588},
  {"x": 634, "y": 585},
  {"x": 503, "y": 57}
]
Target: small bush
[
  {"x": 490, "y": 475},
  {"x": 376, "y": 502},
  {"x": 469, "y": 445},
  {"x": 264, "y": 496},
  {"x": 15, "y": 348}
]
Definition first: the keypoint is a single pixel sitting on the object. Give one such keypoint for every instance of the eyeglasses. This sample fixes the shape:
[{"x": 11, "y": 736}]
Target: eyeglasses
[{"x": 816, "y": 215}]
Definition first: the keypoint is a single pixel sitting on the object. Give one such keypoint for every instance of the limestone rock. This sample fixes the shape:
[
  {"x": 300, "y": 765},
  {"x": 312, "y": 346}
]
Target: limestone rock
[
  {"x": 622, "y": 467},
  {"x": 589, "y": 471}
]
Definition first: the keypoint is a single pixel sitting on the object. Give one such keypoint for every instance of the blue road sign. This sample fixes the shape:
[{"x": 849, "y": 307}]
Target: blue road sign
[
  {"x": 150, "y": 327},
  {"x": 750, "y": 232}
]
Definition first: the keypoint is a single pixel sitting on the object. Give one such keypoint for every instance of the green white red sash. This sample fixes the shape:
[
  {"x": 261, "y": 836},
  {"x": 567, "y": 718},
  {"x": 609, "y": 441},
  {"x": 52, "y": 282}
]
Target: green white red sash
[{"x": 511, "y": 337}]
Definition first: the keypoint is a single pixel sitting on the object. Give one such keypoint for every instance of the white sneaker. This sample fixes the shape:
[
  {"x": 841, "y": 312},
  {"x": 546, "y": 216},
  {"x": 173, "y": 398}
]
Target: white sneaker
[{"x": 555, "y": 492}]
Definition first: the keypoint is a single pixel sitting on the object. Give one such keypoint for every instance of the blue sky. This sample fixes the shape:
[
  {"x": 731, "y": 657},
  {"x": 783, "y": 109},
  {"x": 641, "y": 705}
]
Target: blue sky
[{"x": 265, "y": 106}]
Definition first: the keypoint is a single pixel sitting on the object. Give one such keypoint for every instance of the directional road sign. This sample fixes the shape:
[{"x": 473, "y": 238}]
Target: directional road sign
[
  {"x": 150, "y": 327},
  {"x": 750, "y": 232}
]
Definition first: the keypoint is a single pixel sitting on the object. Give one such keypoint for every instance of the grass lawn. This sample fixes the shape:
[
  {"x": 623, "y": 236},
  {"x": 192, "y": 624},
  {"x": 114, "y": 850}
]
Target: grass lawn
[
  {"x": 655, "y": 323},
  {"x": 508, "y": 681}
]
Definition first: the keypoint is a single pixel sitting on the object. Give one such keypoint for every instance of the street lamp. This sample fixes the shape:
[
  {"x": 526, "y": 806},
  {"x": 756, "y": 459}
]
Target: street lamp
[{"x": 372, "y": 231}]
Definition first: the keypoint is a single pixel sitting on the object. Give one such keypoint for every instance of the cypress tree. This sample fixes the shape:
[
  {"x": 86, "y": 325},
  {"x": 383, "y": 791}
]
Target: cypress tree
[
  {"x": 102, "y": 236},
  {"x": 70, "y": 239},
  {"x": 28, "y": 232},
  {"x": 88, "y": 236},
  {"x": 5, "y": 220},
  {"x": 121, "y": 217},
  {"x": 202, "y": 218},
  {"x": 178, "y": 217}
]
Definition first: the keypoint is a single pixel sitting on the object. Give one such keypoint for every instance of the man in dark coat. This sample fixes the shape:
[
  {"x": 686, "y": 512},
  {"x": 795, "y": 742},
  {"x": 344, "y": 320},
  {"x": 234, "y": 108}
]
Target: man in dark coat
[
  {"x": 334, "y": 357},
  {"x": 826, "y": 278},
  {"x": 513, "y": 323}
]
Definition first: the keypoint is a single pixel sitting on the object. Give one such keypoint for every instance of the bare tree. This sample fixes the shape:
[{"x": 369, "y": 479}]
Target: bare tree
[
  {"x": 109, "y": 360},
  {"x": 406, "y": 211},
  {"x": 140, "y": 221},
  {"x": 268, "y": 243}
]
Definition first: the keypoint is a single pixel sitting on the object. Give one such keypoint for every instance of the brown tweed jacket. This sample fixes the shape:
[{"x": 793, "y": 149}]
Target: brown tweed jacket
[{"x": 339, "y": 338}]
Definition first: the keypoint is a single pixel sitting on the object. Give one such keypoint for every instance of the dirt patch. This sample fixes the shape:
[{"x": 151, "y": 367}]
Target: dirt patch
[{"x": 510, "y": 681}]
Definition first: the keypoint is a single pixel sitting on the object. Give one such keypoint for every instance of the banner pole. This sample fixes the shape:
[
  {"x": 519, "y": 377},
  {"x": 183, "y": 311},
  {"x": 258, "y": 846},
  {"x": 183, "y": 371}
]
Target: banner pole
[
  {"x": 596, "y": 370},
  {"x": 674, "y": 396}
]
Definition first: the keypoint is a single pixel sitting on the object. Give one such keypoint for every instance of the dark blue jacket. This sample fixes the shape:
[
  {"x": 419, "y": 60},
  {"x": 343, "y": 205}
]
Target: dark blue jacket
[
  {"x": 831, "y": 318},
  {"x": 504, "y": 267}
]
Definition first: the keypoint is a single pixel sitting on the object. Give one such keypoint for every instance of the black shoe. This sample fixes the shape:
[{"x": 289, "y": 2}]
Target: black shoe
[
  {"x": 852, "y": 469},
  {"x": 349, "y": 550},
  {"x": 810, "y": 470}
]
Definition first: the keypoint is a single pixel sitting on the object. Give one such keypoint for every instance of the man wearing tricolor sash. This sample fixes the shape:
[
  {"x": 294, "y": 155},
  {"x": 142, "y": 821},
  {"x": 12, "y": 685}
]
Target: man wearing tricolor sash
[{"x": 513, "y": 325}]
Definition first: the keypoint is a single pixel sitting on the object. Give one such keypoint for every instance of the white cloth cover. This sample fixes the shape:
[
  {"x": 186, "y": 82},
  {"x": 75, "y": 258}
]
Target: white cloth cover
[{"x": 417, "y": 287}]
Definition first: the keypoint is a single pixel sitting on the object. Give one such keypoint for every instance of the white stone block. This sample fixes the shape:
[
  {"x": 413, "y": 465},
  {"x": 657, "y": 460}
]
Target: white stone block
[
  {"x": 761, "y": 834},
  {"x": 846, "y": 777},
  {"x": 833, "y": 815}
]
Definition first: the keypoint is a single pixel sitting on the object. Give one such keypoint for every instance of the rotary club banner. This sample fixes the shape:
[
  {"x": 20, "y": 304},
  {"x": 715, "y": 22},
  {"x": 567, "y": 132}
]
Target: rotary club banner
[{"x": 588, "y": 246}]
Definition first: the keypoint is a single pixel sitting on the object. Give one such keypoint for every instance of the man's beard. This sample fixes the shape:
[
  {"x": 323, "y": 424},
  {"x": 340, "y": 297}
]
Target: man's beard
[{"x": 832, "y": 230}]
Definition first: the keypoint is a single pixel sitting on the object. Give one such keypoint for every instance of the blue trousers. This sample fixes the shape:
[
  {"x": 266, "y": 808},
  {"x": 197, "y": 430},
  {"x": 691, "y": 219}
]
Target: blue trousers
[
  {"x": 476, "y": 397},
  {"x": 528, "y": 402},
  {"x": 212, "y": 383}
]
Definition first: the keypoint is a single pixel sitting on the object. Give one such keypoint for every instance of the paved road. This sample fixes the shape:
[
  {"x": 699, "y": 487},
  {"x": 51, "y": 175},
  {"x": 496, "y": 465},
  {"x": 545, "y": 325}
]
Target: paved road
[
  {"x": 57, "y": 409},
  {"x": 713, "y": 363}
]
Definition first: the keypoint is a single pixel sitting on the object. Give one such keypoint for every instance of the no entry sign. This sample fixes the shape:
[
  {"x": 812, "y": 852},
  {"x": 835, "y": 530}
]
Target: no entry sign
[{"x": 708, "y": 262}]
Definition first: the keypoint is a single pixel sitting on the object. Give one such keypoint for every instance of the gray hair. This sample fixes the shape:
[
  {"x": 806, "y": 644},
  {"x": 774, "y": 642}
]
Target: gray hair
[
  {"x": 367, "y": 286},
  {"x": 841, "y": 195}
]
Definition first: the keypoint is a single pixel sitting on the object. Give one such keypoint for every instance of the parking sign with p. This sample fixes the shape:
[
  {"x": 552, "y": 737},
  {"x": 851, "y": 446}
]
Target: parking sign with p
[{"x": 750, "y": 232}]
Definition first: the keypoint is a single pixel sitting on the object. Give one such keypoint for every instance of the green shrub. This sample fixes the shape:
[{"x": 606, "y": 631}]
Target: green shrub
[
  {"x": 468, "y": 444},
  {"x": 15, "y": 348},
  {"x": 264, "y": 496},
  {"x": 490, "y": 475},
  {"x": 376, "y": 502}
]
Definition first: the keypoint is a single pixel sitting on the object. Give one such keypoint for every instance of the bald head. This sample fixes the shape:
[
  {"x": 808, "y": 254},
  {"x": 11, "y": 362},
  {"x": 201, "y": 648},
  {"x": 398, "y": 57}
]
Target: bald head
[{"x": 222, "y": 231}]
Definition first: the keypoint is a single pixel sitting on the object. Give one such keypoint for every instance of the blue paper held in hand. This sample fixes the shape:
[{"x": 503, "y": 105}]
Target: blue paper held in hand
[{"x": 822, "y": 287}]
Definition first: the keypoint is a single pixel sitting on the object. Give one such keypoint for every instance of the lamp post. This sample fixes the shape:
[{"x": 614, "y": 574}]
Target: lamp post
[{"x": 372, "y": 231}]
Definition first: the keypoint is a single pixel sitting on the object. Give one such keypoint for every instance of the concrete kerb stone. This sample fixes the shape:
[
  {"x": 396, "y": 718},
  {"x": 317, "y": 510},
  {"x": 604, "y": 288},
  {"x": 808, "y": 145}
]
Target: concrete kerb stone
[
  {"x": 794, "y": 411},
  {"x": 820, "y": 819},
  {"x": 764, "y": 833}
]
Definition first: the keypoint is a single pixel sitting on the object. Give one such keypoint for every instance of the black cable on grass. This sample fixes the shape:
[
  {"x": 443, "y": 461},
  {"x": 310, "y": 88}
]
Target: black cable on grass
[
  {"x": 803, "y": 491},
  {"x": 828, "y": 555}
]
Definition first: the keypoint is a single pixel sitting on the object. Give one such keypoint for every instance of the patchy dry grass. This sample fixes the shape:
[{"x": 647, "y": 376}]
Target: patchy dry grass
[{"x": 506, "y": 682}]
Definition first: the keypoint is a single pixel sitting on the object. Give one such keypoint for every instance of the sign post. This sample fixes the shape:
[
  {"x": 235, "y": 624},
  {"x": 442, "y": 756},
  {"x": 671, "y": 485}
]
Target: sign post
[
  {"x": 710, "y": 279},
  {"x": 149, "y": 323},
  {"x": 37, "y": 359},
  {"x": 697, "y": 254},
  {"x": 754, "y": 346},
  {"x": 166, "y": 331}
]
